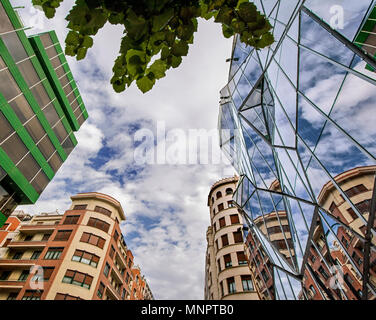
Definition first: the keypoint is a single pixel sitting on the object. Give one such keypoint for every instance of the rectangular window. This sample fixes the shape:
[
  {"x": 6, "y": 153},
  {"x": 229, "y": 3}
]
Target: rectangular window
[
  {"x": 224, "y": 240},
  {"x": 227, "y": 259},
  {"x": 80, "y": 207},
  {"x": 220, "y": 207},
  {"x": 46, "y": 237},
  {"x": 264, "y": 275},
  {"x": 93, "y": 239},
  {"x": 86, "y": 258},
  {"x": 222, "y": 222},
  {"x": 103, "y": 210},
  {"x": 24, "y": 275},
  {"x": 63, "y": 235},
  {"x": 32, "y": 295},
  {"x": 61, "y": 296},
  {"x": 17, "y": 255},
  {"x": 71, "y": 220},
  {"x": 5, "y": 275},
  {"x": 106, "y": 269},
  {"x": 356, "y": 190},
  {"x": 242, "y": 259},
  {"x": 99, "y": 224},
  {"x": 231, "y": 285},
  {"x": 247, "y": 283},
  {"x": 112, "y": 252},
  {"x": 323, "y": 273},
  {"x": 238, "y": 237},
  {"x": 234, "y": 219},
  {"x": 53, "y": 253},
  {"x": 12, "y": 296},
  {"x": 100, "y": 290},
  {"x": 35, "y": 255},
  {"x": 77, "y": 278},
  {"x": 47, "y": 272}
]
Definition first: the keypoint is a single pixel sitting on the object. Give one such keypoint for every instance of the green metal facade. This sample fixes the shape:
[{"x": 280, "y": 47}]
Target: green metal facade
[{"x": 40, "y": 109}]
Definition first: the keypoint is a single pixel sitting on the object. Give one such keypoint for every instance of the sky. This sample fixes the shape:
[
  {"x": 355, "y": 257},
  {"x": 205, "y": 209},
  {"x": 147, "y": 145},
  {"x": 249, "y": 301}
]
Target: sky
[{"x": 165, "y": 204}]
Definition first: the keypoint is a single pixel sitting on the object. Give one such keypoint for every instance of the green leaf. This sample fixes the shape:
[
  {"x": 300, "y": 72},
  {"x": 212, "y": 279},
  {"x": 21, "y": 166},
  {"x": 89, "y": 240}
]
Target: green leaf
[
  {"x": 135, "y": 26},
  {"x": 73, "y": 38},
  {"x": 158, "y": 68},
  {"x": 70, "y": 50},
  {"x": 81, "y": 53},
  {"x": 161, "y": 21},
  {"x": 180, "y": 48},
  {"x": 225, "y": 15},
  {"x": 227, "y": 31},
  {"x": 247, "y": 12},
  {"x": 176, "y": 61},
  {"x": 145, "y": 84},
  {"x": 87, "y": 42}
]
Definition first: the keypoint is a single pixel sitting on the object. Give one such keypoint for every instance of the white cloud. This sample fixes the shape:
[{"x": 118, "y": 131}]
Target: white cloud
[{"x": 171, "y": 251}]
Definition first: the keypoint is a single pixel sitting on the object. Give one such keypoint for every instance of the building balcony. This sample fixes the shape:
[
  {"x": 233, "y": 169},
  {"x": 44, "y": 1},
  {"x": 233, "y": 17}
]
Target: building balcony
[
  {"x": 115, "y": 273},
  {"x": 16, "y": 264},
  {"x": 11, "y": 285},
  {"x": 27, "y": 244},
  {"x": 37, "y": 228},
  {"x": 113, "y": 293}
]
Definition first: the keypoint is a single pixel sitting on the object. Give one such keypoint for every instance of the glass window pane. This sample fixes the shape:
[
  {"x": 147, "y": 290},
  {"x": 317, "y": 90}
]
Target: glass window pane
[
  {"x": 35, "y": 129},
  {"x": 51, "y": 52},
  {"x": 41, "y": 95},
  {"x": 28, "y": 72},
  {"x": 60, "y": 71},
  {"x": 40, "y": 182},
  {"x": 55, "y": 162},
  {"x": 8, "y": 87},
  {"x": 15, "y": 148},
  {"x": 68, "y": 146},
  {"x": 46, "y": 147},
  {"x": 55, "y": 62},
  {"x": 5, "y": 24},
  {"x": 60, "y": 132},
  {"x": 6, "y": 128},
  {"x": 46, "y": 40},
  {"x": 51, "y": 114},
  {"x": 22, "y": 108},
  {"x": 81, "y": 120},
  {"x": 29, "y": 167},
  {"x": 14, "y": 45}
]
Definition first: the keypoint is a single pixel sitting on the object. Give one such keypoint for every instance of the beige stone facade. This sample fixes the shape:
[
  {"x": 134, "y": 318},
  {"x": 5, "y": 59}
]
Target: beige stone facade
[{"x": 227, "y": 274}]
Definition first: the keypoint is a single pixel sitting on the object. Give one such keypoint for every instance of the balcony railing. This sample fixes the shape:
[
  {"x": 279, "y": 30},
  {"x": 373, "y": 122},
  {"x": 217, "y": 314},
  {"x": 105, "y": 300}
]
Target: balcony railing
[
  {"x": 27, "y": 244},
  {"x": 37, "y": 228},
  {"x": 16, "y": 264}
]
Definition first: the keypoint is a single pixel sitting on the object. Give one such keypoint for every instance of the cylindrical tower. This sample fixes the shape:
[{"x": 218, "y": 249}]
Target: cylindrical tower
[{"x": 228, "y": 276}]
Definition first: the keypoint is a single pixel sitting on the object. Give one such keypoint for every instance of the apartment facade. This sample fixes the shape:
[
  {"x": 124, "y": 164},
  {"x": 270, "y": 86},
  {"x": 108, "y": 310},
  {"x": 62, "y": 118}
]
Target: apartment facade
[
  {"x": 79, "y": 255},
  {"x": 345, "y": 251},
  {"x": 299, "y": 112},
  {"x": 227, "y": 275},
  {"x": 275, "y": 227},
  {"x": 40, "y": 111}
]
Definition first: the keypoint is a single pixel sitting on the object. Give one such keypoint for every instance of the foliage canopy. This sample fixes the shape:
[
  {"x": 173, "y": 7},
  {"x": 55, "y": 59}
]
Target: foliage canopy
[{"x": 157, "y": 33}]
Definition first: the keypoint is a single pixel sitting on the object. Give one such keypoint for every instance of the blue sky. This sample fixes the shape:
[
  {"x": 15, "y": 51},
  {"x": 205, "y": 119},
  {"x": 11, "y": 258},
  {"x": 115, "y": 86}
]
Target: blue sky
[{"x": 165, "y": 205}]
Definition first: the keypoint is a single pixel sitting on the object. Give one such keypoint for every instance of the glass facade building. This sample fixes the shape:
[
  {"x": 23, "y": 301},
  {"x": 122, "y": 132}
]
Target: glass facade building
[
  {"x": 297, "y": 121},
  {"x": 40, "y": 109}
]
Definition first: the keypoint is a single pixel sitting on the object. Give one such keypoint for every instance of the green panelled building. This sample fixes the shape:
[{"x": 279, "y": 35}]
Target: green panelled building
[{"x": 40, "y": 109}]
